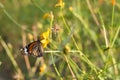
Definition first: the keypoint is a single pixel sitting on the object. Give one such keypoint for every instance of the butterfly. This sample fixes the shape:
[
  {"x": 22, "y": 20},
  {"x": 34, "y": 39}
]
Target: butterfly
[{"x": 34, "y": 48}]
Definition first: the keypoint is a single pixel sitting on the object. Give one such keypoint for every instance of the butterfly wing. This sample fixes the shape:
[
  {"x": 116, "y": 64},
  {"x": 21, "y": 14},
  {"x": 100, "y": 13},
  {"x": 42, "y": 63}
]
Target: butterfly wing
[{"x": 35, "y": 48}]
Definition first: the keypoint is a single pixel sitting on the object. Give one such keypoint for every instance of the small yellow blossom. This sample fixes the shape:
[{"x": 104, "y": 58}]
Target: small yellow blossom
[
  {"x": 42, "y": 69},
  {"x": 113, "y": 2},
  {"x": 66, "y": 49},
  {"x": 45, "y": 35},
  {"x": 45, "y": 42},
  {"x": 44, "y": 38},
  {"x": 48, "y": 15},
  {"x": 60, "y": 4},
  {"x": 71, "y": 8}
]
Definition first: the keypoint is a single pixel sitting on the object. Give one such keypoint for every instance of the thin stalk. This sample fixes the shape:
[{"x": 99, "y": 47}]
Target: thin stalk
[
  {"x": 56, "y": 68},
  {"x": 93, "y": 35},
  {"x": 112, "y": 24},
  {"x": 92, "y": 13},
  {"x": 113, "y": 10},
  {"x": 83, "y": 57},
  {"x": 115, "y": 37},
  {"x": 51, "y": 23},
  {"x": 8, "y": 51},
  {"x": 72, "y": 73},
  {"x": 112, "y": 42},
  {"x": 27, "y": 62},
  {"x": 104, "y": 31},
  {"x": 69, "y": 30},
  {"x": 112, "y": 54}
]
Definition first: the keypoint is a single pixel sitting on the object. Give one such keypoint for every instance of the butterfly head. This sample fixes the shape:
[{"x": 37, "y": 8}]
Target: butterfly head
[{"x": 24, "y": 51}]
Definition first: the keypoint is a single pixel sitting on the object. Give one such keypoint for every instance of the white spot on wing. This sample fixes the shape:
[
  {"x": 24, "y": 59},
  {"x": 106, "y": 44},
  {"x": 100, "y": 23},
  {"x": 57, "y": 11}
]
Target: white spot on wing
[{"x": 25, "y": 51}]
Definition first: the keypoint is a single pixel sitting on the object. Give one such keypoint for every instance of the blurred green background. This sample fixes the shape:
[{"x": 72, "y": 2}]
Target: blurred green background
[{"x": 95, "y": 28}]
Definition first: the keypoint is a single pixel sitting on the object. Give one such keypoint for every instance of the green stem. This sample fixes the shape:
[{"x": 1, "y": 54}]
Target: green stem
[
  {"x": 115, "y": 37},
  {"x": 69, "y": 30},
  {"x": 56, "y": 68},
  {"x": 91, "y": 33},
  {"x": 11, "y": 57},
  {"x": 104, "y": 31}
]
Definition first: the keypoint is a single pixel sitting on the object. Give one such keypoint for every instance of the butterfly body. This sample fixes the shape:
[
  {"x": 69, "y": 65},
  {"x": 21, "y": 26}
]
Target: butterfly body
[{"x": 34, "y": 48}]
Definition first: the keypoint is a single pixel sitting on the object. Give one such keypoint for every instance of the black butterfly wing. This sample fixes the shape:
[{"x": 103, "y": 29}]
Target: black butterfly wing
[
  {"x": 40, "y": 50},
  {"x": 36, "y": 49}
]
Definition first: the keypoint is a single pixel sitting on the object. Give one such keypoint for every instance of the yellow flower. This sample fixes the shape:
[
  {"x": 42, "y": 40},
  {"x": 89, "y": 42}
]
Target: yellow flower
[
  {"x": 60, "y": 4},
  {"x": 66, "y": 49},
  {"x": 42, "y": 69},
  {"x": 44, "y": 38},
  {"x": 113, "y": 2},
  {"x": 45, "y": 35},
  {"x": 45, "y": 42},
  {"x": 48, "y": 15},
  {"x": 71, "y": 8}
]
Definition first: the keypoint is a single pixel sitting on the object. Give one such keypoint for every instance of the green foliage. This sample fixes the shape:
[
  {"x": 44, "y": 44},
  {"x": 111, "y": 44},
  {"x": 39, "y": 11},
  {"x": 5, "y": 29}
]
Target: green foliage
[{"x": 84, "y": 39}]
